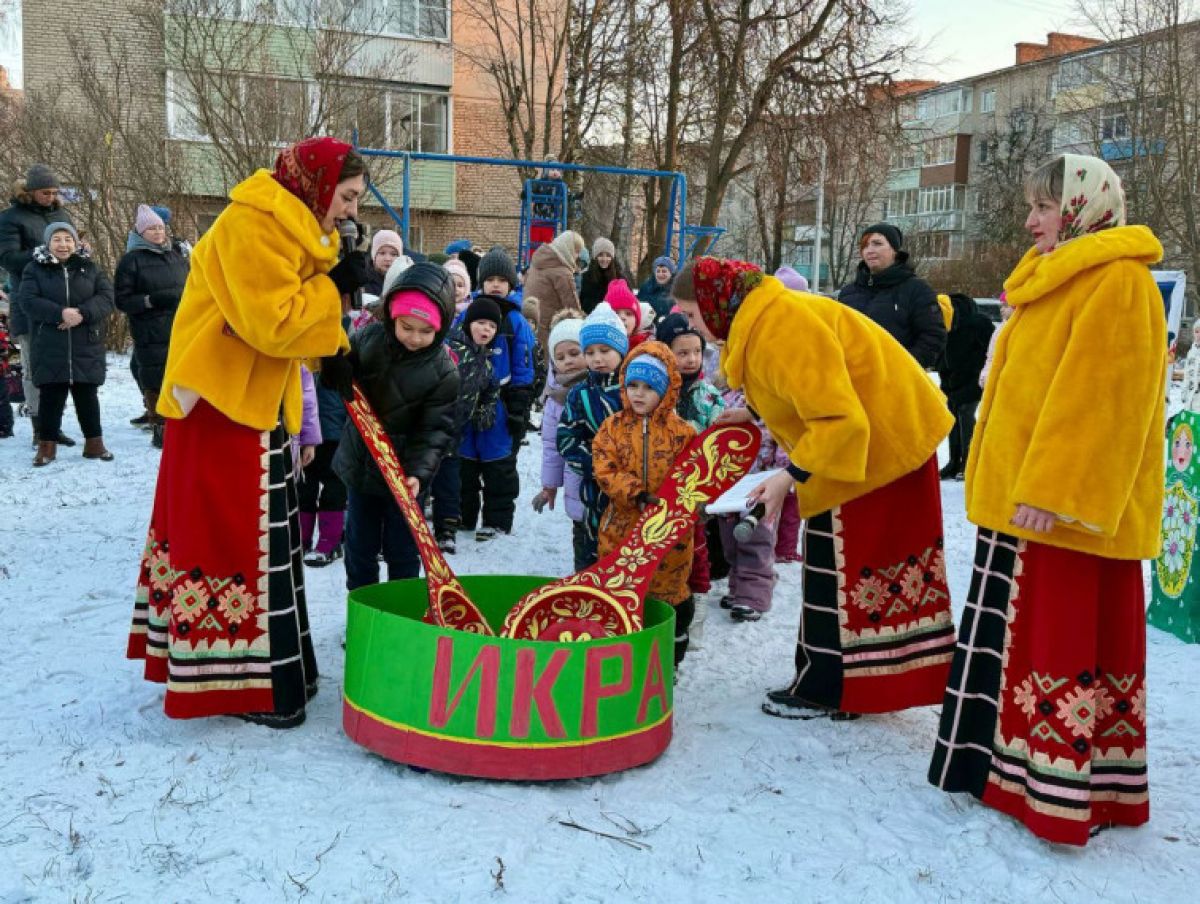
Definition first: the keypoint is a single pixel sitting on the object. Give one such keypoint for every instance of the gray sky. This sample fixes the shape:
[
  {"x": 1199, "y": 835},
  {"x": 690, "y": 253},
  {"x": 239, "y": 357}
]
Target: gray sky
[
  {"x": 968, "y": 37},
  {"x": 964, "y": 37}
]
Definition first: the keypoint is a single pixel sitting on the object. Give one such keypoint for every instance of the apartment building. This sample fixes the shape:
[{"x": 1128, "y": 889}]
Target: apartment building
[
  {"x": 952, "y": 132},
  {"x": 402, "y": 78}
]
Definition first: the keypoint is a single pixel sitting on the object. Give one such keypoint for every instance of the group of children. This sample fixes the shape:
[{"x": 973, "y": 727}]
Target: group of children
[{"x": 626, "y": 390}]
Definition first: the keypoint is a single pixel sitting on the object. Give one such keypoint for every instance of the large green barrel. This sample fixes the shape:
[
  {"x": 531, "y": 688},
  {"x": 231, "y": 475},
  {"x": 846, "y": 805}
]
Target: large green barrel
[{"x": 498, "y": 708}]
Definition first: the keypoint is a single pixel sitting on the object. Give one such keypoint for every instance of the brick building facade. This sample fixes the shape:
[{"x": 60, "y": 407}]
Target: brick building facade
[{"x": 449, "y": 106}]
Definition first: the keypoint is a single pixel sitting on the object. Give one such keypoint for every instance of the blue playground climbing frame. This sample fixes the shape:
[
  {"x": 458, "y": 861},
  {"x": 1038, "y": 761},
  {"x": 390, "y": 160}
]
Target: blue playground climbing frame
[{"x": 680, "y": 235}]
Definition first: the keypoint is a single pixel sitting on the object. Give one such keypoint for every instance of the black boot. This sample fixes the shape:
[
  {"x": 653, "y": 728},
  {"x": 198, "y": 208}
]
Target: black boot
[
  {"x": 37, "y": 429},
  {"x": 64, "y": 440},
  {"x": 952, "y": 470}
]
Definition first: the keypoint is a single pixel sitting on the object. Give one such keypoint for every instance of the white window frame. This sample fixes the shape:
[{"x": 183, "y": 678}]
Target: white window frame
[
  {"x": 939, "y": 151},
  {"x": 987, "y": 100},
  {"x": 384, "y": 93}
]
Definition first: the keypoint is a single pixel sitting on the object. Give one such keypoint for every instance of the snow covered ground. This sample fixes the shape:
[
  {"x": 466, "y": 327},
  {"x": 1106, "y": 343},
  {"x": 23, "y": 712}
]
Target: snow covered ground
[{"x": 102, "y": 798}]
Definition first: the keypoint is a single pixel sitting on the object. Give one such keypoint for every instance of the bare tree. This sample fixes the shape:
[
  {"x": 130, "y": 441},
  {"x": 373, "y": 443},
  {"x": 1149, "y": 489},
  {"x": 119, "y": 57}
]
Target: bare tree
[
  {"x": 250, "y": 77},
  {"x": 1146, "y": 124},
  {"x": 824, "y": 45},
  {"x": 524, "y": 55}
]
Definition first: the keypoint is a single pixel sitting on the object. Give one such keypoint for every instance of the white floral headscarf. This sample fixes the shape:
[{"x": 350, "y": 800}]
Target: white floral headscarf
[{"x": 1092, "y": 197}]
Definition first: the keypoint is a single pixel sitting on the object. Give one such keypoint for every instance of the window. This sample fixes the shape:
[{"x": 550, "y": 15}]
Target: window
[
  {"x": 987, "y": 150},
  {"x": 384, "y": 117},
  {"x": 987, "y": 101},
  {"x": 281, "y": 107},
  {"x": 902, "y": 203},
  {"x": 401, "y": 18},
  {"x": 1114, "y": 127},
  {"x": 1069, "y": 132},
  {"x": 941, "y": 199},
  {"x": 934, "y": 245},
  {"x": 944, "y": 103},
  {"x": 940, "y": 151},
  {"x": 1091, "y": 68},
  {"x": 419, "y": 121},
  {"x": 183, "y": 120},
  {"x": 418, "y": 18},
  {"x": 906, "y": 156}
]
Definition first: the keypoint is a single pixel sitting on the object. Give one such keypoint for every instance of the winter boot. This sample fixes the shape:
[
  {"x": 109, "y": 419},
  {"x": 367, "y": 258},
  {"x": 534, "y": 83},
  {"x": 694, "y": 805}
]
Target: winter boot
[
  {"x": 485, "y": 533},
  {"x": 951, "y": 471},
  {"x": 308, "y": 524},
  {"x": 46, "y": 452},
  {"x": 94, "y": 448},
  {"x": 740, "y": 612},
  {"x": 329, "y": 543},
  {"x": 447, "y": 540},
  {"x": 158, "y": 433},
  {"x": 446, "y": 533},
  {"x": 37, "y": 428},
  {"x": 64, "y": 440},
  {"x": 142, "y": 421}
]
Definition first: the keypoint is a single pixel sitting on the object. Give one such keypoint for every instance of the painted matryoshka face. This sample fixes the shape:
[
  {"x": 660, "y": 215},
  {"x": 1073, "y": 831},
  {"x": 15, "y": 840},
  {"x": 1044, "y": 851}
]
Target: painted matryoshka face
[{"x": 1182, "y": 446}]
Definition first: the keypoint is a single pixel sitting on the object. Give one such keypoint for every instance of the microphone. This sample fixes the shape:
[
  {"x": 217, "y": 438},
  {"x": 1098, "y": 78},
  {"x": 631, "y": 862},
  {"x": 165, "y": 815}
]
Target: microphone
[
  {"x": 744, "y": 529},
  {"x": 349, "y": 231}
]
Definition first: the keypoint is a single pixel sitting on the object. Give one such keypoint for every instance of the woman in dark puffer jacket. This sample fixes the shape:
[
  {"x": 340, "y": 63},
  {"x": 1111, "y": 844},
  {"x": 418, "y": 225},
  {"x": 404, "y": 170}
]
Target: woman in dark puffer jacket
[
  {"x": 888, "y": 290},
  {"x": 149, "y": 283},
  {"x": 67, "y": 300}
]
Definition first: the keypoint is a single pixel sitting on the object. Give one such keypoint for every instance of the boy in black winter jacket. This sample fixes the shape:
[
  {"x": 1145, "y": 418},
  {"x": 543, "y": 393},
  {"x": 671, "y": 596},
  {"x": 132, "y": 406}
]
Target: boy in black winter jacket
[
  {"x": 471, "y": 343},
  {"x": 406, "y": 373}
]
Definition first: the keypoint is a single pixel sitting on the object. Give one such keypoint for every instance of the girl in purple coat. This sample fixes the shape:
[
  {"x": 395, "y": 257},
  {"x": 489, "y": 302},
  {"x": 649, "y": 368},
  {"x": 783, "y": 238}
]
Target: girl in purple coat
[
  {"x": 750, "y": 550},
  {"x": 304, "y": 443},
  {"x": 567, "y": 368}
]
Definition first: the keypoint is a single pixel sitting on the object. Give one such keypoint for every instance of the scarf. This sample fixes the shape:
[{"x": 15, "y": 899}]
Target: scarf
[
  {"x": 720, "y": 287},
  {"x": 1092, "y": 197},
  {"x": 311, "y": 170},
  {"x": 562, "y": 387},
  {"x": 137, "y": 242}
]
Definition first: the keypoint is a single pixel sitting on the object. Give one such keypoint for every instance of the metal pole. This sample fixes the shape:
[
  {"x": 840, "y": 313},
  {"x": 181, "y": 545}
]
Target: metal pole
[
  {"x": 407, "y": 198},
  {"x": 816, "y": 268},
  {"x": 682, "y": 216}
]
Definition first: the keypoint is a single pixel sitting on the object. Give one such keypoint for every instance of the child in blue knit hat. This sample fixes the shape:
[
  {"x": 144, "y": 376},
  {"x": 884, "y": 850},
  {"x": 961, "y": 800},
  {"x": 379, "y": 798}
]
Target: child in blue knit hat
[{"x": 588, "y": 405}]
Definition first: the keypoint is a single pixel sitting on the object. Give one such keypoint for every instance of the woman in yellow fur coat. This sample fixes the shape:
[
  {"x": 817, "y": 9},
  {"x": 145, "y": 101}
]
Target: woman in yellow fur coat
[
  {"x": 220, "y": 613},
  {"x": 861, "y": 423},
  {"x": 1045, "y": 712}
]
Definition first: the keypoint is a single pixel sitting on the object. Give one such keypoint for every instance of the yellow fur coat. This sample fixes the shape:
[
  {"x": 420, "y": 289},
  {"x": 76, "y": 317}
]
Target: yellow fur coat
[
  {"x": 1072, "y": 414},
  {"x": 845, "y": 399},
  {"x": 257, "y": 301}
]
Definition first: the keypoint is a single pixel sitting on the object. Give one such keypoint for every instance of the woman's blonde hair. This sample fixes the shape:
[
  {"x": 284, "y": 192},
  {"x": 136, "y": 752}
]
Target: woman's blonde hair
[{"x": 1046, "y": 182}]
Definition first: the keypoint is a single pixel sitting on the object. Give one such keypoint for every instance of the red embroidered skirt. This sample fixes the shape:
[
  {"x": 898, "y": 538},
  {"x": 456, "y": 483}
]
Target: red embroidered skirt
[
  {"x": 1045, "y": 712},
  {"x": 876, "y": 632},
  {"x": 220, "y": 614}
]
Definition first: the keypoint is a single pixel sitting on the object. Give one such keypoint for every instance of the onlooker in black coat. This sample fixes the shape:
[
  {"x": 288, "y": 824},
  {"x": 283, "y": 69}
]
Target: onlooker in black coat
[
  {"x": 602, "y": 269},
  {"x": 966, "y": 352},
  {"x": 34, "y": 206},
  {"x": 149, "y": 284},
  {"x": 67, "y": 300},
  {"x": 888, "y": 290}
]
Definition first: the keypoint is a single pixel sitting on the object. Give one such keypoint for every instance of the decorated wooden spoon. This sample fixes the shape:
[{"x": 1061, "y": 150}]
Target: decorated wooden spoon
[
  {"x": 608, "y": 599},
  {"x": 449, "y": 605}
]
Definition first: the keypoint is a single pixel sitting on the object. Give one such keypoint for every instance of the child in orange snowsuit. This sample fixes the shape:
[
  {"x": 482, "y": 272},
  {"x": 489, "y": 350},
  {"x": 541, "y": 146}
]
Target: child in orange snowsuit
[{"x": 631, "y": 456}]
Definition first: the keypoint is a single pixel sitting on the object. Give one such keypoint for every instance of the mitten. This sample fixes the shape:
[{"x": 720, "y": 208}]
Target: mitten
[
  {"x": 337, "y": 373},
  {"x": 351, "y": 272}
]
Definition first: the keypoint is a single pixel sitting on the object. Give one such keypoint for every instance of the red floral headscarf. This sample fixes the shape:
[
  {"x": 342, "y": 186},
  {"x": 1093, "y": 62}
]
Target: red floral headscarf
[
  {"x": 311, "y": 170},
  {"x": 720, "y": 286}
]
